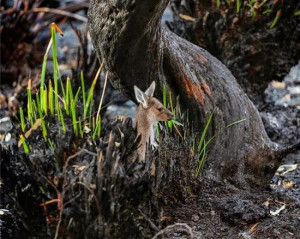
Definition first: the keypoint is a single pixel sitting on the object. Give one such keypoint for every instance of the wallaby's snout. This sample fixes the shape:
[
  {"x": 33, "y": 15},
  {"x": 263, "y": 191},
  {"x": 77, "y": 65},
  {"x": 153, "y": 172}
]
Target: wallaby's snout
[
  {"x": 166, "y": 115},
  {"x": 170, "y": 115}
]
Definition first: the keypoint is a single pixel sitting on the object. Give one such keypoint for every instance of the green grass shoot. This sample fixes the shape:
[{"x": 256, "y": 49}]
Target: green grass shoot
[
  {"x": 252, "y": 10},
  {"x": 23, "y": 125},
  {"x": 69, "y": 96},
  {"x": 51, "y": 144},
  {"x": 201, "y": 161},
  {"x": 44, "y": 101},
  {"x": 30, "y": 113},
  {"x": 83, "y": 89},
  {"x": 267, "y": 11},
  {"x": 55, "y": 68},
  {"x": 235, "y": 122},
  {"x": 164, "y": 96},
  {"x": 97, "y": 129},
  {"x": 47, "y": 100},
  {"x": 50, "y": 98},
  {"x": 202, "y": 150},
  {"x": 203, "y": 144},
  {"x": 278, "y": 14},
  {"x": 238, "y": 5},
  {"x": 262, "y": 3},
  {"x": 25, "y": 146},
  {"x": 62, "y": 119},
  {"x": 91, "y": 112},
  {"x": 43, "y": 75},
  {"x": 73, "y": 111},
  {"x": 40, "y": 112},
  {"x": 203, "y": 135},
  {"x": 193, "y": 144},
  {"x": 89, "y": 98}
]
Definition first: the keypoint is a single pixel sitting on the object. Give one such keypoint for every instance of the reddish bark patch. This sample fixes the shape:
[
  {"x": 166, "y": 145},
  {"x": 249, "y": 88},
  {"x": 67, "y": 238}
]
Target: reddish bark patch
[{"x": 193, "y": 90}]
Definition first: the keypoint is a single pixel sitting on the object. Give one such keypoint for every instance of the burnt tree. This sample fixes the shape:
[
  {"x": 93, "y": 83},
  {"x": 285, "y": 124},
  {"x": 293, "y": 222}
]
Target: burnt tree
[
  {"x": 253, "y": 51},
  {"x": 137, "y": 49}
]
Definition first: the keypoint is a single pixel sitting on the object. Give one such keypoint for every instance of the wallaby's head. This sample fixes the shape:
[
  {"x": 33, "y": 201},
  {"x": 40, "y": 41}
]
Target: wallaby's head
[{"x": 151, "y": 107}]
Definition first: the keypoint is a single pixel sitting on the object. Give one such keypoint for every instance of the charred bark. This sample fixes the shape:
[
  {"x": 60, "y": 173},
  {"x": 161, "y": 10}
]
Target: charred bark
[
  {"x": 137, "y": 50},
  {"x": 254, "y": 52}
]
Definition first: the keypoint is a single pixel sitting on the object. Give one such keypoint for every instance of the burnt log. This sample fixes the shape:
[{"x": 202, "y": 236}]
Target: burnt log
[{"x": 137, "y": 49}]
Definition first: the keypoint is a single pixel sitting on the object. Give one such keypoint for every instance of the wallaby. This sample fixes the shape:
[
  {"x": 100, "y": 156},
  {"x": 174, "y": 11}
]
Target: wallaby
[{"x": 148, "y": 112}]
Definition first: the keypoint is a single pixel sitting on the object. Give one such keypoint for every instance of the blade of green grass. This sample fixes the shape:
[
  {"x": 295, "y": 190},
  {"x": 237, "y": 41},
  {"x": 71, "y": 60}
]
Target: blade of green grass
[
  {"x": 238, "y": 5},
  {"x": 25, "y": 146},
  {"x": 266, "y": 11},
  {"x": 176, "y": 122},
  {"x": 50, "y": 97},
  {"x": 201, "y": 162},
  {"x": 193, "y": 144},
  {"x": 73, "y": 112},
  {"x": 40, "y": 112},
  {"x": 97, "y": 129},
  {"x": 83, "y": 89},
  {"x": 91, "y": 91},
  {"x": 61, "y": 119},
  {"x": 62, "y": 89},
  {"x": 252, "y": 10},
  {"x": 235, "y": 122},
  {"x": 45, "y": 101},
  {"x": 51, "y": 145},
  {"x": 54, "y": 56},
  {"x": 69, "y": 96},
  {"x": 262, "y": 3},
  {"x": 278, "y": 14},
  {"x": 23, "y": 125},
  {"x": 30, "y": 113},
  {"x": 205, "y": 131},
  {"x": 91, "y": 112}
]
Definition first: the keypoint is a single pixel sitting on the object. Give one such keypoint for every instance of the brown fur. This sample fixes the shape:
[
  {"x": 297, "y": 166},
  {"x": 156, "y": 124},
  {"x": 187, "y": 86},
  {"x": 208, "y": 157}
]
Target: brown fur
[{"x": 146, "y": 117}]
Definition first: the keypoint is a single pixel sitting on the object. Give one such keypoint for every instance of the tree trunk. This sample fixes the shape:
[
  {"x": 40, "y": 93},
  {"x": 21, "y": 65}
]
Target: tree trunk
[
  {"x": 254, "y": 52},
  {"x": 137, "y": 49}
]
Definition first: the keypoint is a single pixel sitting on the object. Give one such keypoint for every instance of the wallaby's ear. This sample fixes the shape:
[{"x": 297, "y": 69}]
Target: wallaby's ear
[
  {"x": 150, "y": 91},
  {"x": 140, "y": 96}
]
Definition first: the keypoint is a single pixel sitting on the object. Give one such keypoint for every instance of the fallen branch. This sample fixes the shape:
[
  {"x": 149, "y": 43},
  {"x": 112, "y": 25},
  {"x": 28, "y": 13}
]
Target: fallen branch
[{"x": 61, "y": 12}]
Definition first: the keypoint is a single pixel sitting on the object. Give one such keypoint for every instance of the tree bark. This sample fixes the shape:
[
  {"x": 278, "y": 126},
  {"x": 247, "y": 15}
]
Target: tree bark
[{"x": 137, "y": 49}]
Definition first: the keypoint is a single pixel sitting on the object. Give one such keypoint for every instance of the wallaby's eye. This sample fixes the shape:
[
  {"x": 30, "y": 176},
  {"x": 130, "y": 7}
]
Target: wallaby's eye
[{"x": 160, "y": 109}]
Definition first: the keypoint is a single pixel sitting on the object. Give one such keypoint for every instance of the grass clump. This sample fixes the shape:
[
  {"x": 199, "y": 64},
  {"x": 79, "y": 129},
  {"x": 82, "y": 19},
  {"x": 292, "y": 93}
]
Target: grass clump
[{"x": 48, "y": 103}]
